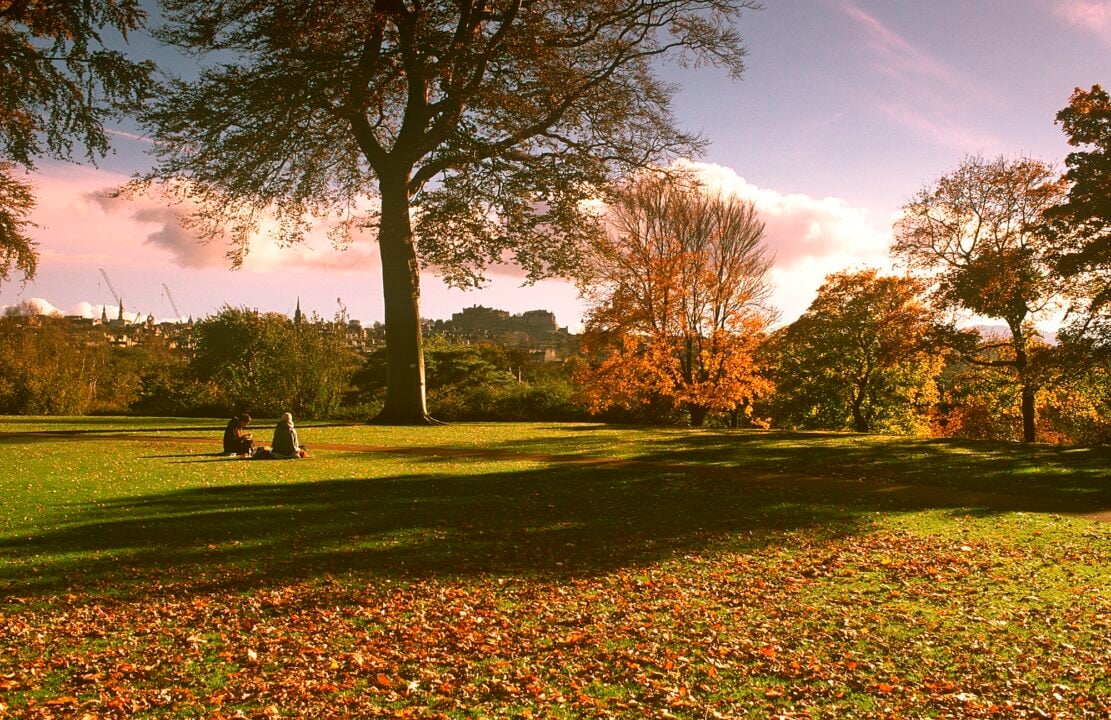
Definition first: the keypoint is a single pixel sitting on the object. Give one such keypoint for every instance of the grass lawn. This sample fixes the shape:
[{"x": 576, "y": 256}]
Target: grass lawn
[{"x": 548, "y": 570}]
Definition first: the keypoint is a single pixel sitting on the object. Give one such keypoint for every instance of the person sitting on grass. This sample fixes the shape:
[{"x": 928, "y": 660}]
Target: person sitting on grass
[
  {"x": 286, "y": 445},
  {"x": 237, "y": 441}
]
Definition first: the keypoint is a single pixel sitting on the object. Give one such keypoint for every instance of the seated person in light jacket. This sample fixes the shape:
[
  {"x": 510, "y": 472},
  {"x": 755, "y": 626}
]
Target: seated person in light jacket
[{"x": 286, "y": 444}]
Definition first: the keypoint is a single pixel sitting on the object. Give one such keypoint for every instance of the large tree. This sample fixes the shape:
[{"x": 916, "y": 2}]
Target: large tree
[
  {"x": 59, "y": 84},
  {"x": 864, "y": 356},
  {"x": 480, "y": 127},
  {"x": 977, "y": 233},
  {"x": 1083, "y": 221},
  {"x": 678, "y": 288}
]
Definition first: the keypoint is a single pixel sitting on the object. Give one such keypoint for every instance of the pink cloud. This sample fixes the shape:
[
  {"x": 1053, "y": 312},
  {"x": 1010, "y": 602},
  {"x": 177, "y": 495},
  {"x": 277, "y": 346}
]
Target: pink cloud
[
  {"x": 171, "y": 235},
  {"x": 187, "y": 249},
  {"x": 142, "y": 243},
  {"x": 80, "y": 224},
  {"x": 1091, "y": 15}
]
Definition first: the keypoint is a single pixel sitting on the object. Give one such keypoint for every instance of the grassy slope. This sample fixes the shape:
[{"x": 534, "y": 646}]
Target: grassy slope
[{"x": 744, "y": 574}]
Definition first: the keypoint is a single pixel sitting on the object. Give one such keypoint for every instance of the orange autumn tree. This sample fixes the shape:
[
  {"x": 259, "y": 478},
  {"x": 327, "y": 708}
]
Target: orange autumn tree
[{"x": 678, "y": 289}]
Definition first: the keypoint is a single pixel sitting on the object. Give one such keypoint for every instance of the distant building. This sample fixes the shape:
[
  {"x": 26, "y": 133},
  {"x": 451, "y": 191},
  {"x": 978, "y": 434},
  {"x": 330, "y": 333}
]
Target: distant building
[
  {"x": 535, "y": 324},
  {"x": 535, "y": 331},
  {"x": 545, "y": 355},
  {"x": 479, "y": 319},
  {"x": 80, "y": 321}
]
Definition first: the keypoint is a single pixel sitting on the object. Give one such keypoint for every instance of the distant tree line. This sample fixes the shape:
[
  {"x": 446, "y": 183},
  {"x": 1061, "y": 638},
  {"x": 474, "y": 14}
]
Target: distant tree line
[
  {"x": 263, "y": 364},
  {"x": 869, "y": 355}
]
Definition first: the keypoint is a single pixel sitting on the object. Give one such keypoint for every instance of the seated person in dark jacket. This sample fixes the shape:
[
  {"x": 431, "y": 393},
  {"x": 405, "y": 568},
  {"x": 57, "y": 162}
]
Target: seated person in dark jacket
[
  {"x": 285, "y": 443},
  {"x": 236, "y": 438}
]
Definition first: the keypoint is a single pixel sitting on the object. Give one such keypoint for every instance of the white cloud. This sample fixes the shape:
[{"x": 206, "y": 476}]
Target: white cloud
[
  {"x": 42, "y": 306},
  {"x": 810, "y": 237},
  {"x": 800, "y": 228},
  {"x": 87, "y": 309},
  {"x": 123, "y": 134},
  {"x": 32, "y": 306}
]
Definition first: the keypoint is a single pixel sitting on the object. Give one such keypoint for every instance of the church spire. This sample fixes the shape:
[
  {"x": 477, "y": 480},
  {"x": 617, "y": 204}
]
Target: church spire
[{"x": 297, "y": 313}]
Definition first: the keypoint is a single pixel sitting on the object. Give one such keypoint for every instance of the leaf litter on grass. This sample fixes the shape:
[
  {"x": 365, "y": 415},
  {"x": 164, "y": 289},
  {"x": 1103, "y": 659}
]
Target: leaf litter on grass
[{"x": 890, "y": 622}]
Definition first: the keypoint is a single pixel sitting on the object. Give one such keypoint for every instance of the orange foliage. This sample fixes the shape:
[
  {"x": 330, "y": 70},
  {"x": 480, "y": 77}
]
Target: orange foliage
[{"x": 677, "y": 311}]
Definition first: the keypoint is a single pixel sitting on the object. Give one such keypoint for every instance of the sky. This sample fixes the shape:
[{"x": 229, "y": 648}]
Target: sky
[{"x": 845, "y": 110}]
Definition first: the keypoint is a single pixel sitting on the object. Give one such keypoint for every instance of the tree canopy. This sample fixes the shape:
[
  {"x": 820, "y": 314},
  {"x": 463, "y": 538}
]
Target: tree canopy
[
  {"x": 17, "y": 249},
  {"x": 60, "y": 82},
  {"x": 678, "y": 289},
  {"x": 977, "y": 232},
  {"x": 480, "y": 127},
  {"x": 863, "y": 356},
  {"x": 267, "y": 364},
  {"x": 1083, "y": 220}
]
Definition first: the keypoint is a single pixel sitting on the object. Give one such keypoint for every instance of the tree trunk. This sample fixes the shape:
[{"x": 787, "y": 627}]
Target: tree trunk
[
  {"x": 1027, "y": 388},
  {"x": 860, "y": 423},
  {"x": 1028, "y": 413},
  {"x": 405, "y": 398},
  {"x": 698, "y": 415}
]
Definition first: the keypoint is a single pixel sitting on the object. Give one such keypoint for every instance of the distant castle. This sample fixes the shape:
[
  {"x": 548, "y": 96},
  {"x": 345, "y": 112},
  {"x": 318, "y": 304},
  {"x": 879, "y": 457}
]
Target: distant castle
[
  {"x": 535, "y": 331},
  {"x": 536, "y": 324}
]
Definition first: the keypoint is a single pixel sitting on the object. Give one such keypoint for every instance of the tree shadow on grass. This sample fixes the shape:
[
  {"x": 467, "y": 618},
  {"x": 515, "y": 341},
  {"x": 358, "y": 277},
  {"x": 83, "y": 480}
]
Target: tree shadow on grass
[
  {"x": 46, "y": 437},
  {"x": 69, "y": 420},
  {"x": 1070, "y": 477},
  {"x": 684, "y": 494},
  {"x": 552, "y": 522}
]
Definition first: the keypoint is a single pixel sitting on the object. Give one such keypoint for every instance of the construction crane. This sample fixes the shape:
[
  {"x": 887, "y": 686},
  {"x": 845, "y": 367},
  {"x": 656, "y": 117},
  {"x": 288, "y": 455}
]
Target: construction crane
[
  {"x": 170, "y": 297},
  {"x": 112, "y": 289}
]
